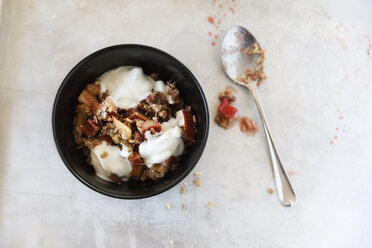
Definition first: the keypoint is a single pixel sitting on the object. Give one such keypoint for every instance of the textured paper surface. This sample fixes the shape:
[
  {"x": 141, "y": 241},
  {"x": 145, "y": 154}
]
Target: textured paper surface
[{"x": 317, "y": 100}]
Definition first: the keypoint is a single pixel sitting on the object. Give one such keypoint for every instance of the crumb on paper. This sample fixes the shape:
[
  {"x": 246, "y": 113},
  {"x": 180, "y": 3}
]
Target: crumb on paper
[
  {"x": 185, "y": 183},
  {"x": 197, "y": 182},
  {"x": 228, "y": 94},
  {"x": 182, "y": 190},
  {"x": 210, "y": 204},
  {"x": 247, "y": 126},
  {"x": 169, "y": 206},
  {"x": 270, "y": 191},
  {"x": 171, "y": 242},
  {"x": 183, "y": 206},
  {"x": 197, "y": 173}
]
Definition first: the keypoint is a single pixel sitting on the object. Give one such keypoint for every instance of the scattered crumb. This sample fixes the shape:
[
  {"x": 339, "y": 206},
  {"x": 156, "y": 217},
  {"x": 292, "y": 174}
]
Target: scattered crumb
[
  {"x": 270, "y": 191},
  {"x": 228, "y": 94},
  {"x": 169, "y": 206},
  {"x": 247, "y": 126},
  {"x": 182, "y": 190},
  {"x": 210, "y": 204},
  {"x": 171, "y": 242},
  {"x": 197, "y": 182},
  {"x": 197, "y": 173},
  {"x": 216, "y": 230},
  {"x": 183, "y": 206},
  {"x": 104, "y": 155},
  {"x": 185, "y": 183}
]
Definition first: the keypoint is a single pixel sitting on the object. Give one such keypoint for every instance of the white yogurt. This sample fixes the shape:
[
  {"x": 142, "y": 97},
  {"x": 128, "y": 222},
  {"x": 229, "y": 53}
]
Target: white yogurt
[
  {"x": 161, "y": 146},
  {"x": 106, "y": 159},
  {"x": 128, "y": 85}
]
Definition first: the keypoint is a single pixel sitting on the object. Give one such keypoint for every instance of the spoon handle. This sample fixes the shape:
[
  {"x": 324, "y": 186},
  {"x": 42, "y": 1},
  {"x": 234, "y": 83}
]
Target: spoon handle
[{"x": 285, "y": 192}]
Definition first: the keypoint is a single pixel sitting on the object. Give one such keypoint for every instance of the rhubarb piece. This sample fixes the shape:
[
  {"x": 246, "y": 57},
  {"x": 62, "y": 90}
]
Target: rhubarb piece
[
  {"x": 187, "y": 123},
  {"x": 90, "y": 129},
  {"x": 226, "y": 109},
  {"x": 136, "y": 172},
  {"x": 106, "y": 138},
  {"x": 135, "y": 160},
  {"x": 150, "y": 125},
  {"x": 115, "y": 178},
  {"x": 170, "y": 161},
  {"x": 137, "y": 116}
]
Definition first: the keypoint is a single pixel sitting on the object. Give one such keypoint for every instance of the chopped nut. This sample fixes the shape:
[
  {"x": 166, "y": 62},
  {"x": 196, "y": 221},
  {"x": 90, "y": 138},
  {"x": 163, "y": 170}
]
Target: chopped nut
[
  {"x": 183, "y": 207},
  {"x": 182, "y": 190},
  {"x": 197, "y": 182},
  {"x": 197, "y": 173},
  {"x": 210, "y": 204},
  {"x": 169, "y": 206},
  {"x": 104, "y": 155},
  {"x": 270, "y": 191}
]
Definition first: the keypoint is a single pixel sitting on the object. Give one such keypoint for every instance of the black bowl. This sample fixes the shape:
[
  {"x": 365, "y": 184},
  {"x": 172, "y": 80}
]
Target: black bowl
[{"x": 151, "y": 60}]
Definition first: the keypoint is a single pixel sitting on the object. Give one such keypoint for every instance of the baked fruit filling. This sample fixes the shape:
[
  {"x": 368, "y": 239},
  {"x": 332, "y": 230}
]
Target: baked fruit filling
[{"x": 131, "y": 125}]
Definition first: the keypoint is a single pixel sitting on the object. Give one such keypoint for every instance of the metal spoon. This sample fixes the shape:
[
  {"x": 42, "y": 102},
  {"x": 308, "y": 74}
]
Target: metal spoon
[{"x": 236, "y": 64}]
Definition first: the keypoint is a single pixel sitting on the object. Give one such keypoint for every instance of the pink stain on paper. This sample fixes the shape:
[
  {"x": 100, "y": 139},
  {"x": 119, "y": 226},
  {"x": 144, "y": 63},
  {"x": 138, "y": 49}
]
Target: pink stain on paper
[
  {"x": 221, "y": 10},
  {"x": 291, "y": 173},
  {"x": 336, "y": 136}
]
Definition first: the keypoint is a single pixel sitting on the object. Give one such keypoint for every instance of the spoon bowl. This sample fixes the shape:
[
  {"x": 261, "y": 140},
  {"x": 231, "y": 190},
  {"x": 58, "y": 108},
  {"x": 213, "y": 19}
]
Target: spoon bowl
[{"x": 234, "y": 61}]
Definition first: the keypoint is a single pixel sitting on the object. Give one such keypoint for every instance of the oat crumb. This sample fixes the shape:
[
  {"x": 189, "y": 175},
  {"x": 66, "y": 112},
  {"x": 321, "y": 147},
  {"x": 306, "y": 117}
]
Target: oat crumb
[
  {"x": 182, "y": 190},
  {"x": 169, "y": 206},
  {"x": 210, "y": 204},
  {"x": 183, "y": 206},
  {"x": 104, "y": 155},
  {"x": 197, "y": 182},
  {"x": 270, "y": 191},
  {"x": 197, "y": 173},
  {"x": 185, "y": 183}
]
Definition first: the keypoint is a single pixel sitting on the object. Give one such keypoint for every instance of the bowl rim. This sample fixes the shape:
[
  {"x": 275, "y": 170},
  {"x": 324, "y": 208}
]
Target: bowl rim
[{"x": 157, "y": 191}]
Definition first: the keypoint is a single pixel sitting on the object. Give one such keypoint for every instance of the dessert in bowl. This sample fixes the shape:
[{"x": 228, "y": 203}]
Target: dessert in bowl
[{"x": 130, "y": 121}]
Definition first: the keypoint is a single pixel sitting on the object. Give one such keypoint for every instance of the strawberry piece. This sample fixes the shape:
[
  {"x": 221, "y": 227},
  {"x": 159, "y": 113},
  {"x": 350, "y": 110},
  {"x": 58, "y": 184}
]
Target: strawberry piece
[
  {"x": 135, "y": 160},
  {"x": 226, "y": 109},
  {"x": 150, "y": 124},
  {"x": 90, "y": 129},
  {"x": 137, "y": 115}
]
